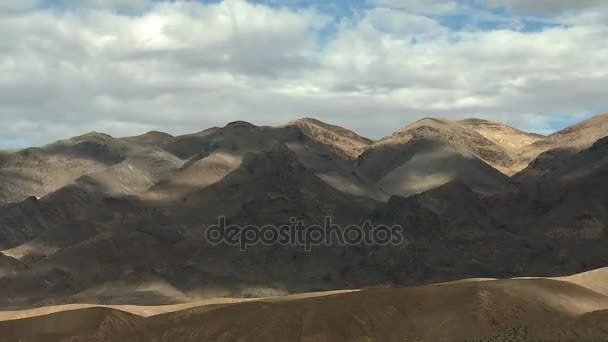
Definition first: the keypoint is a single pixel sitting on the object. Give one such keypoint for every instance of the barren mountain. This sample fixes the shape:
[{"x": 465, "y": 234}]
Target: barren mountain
[
  {"x": 149, "y": 242},
  {"x": 209, "y": 156},
  {"x": 583, "y": 164},
  {"x": 213, "y": 154},
  {"x": 272, "y": 185},
  {"x": 432, "y": 152},
  {"x": 343, "y": 141},
  {"x": 547, "y": 154},
  {"x": 9, "y": 266},
  {"x": 118, "y": 166},
  {"x": 509, "y": 138},
  {"x": 128, "y": 227},
  {"x": 322, "y": 154}
]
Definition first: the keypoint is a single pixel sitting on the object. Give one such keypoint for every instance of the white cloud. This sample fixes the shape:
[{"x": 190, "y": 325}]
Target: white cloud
[{"x": 184, "y": 66}]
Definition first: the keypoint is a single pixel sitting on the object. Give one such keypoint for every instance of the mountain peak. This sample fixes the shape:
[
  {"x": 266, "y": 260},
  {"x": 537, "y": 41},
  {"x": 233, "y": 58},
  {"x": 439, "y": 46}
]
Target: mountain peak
[
  {"x": 308, "y": 120},
  {"x": 240, "y": 124},
  {"x": 509, "y": 138},
  {"x": 158, "y": 133},
  {"x": 94, "y": 134},
  {"x": 342, "y": 140}
]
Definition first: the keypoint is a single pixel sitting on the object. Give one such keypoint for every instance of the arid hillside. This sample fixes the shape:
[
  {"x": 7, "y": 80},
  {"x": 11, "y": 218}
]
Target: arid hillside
[
  {"x": 128, "y": 227},
  {"x": 571, "y": 308}
]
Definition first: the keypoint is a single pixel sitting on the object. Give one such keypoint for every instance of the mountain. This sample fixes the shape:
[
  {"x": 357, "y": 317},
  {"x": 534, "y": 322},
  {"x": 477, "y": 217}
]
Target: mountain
[
  {"x": 9, "y": 266},
  {"x": 117, "y": 166},
  {"x": 156, "y": 245},
  {"x": 547, "y": 154},
  {"x": 343, "y": 141},
  {"x": 327, "y": 155},
  {"x": 509, "y": 138},
  {"x": 213, "y": 154},
  {"x": 586, "y": 163},
  {"x": 272, "y": 186},
  {"x": 128, "y": 225},
  {"x": 432, "y": 152},
  {"x": 208, "y": 157}
]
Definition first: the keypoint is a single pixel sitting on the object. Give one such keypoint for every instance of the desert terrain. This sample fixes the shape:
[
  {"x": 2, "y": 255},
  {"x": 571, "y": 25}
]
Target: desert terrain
[
  {"x": 103, "y": 238},
  {"x": 534, "y": 309}
]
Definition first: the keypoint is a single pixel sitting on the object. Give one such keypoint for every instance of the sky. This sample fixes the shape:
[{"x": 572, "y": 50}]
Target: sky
[{"x": 125, "y": 67}]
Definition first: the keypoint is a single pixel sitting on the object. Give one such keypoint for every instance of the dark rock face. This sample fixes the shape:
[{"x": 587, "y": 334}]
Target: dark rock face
[{"x": 126, "y": 213}]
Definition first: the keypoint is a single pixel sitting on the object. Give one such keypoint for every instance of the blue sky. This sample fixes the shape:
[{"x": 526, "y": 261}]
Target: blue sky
[
  {"x": 128, "y": 66},
  {"x": 467, "y": 16}
]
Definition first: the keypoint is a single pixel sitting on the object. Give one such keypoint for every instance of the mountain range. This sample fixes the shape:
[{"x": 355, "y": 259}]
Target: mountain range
[{"x": 102, "y": 220}]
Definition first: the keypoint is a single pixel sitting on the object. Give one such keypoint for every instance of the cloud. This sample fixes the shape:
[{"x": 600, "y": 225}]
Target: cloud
[
  {"x": 550, "y": 7},
  {"x": 184, "y": 66},
  {"x": 14, "y": 7},
  {"x": 433, "y": 7},
  {"x": 115, "y": 5}
]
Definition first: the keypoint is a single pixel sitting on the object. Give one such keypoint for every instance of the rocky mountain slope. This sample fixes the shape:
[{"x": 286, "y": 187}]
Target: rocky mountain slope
[
  {"x": 117, "y": 166},
  {"x": 126, "y": 225},
  {"x": 509, "y": 138},
  {"x": 432, "y": 152},
  {"x": 343, "y": 141},
  {"x": 548, "y": 153}
]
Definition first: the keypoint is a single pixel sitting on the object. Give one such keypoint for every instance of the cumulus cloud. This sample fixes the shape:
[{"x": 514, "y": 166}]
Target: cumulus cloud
[{"x": 183, "y": 66}]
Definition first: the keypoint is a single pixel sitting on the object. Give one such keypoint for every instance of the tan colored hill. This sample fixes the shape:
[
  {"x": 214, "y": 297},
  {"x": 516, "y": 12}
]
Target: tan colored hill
[
  {"x": 444, "y": 150},
  {"x": 210, "y": 156},
  {"x": 582, "y": 134},
  {"x": 111, "y": 165},
  {"x": 486, "y": 310},
  {"x": 322, "y": 154},
  {"x": 576, "y": 165},
  {"x": 39, "y": 171},
  {"x": 219, "y": 151},
  {"x": 432, "y": 152},
  {"x": 596, "y": 280},
  {"x": 509, "y": 138},
  {"x": 547, "y": 154},
  {"x": 152, "y": 138},
  {"x": 343, "y": 141}
]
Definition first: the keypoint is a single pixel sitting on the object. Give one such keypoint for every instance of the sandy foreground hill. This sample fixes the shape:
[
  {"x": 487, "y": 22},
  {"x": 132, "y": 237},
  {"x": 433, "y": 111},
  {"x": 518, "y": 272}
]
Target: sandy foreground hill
[{"x": 564, "y": 309}]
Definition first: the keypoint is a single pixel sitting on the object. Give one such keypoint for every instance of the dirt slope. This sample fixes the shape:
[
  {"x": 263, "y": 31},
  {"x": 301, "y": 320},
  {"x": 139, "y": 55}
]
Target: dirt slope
[
  {"x": 343, "y": 141},
  {"x": 509, "y": 138},
  {"x": 9, "y": 266},
  {"x": 432, "y": 152},
  {"x": 213, "y": 154},
  {"x": 100, "y": 240},
  {"x": 115, "y": 166},
  {"x": 488, "y": 310},
  {"x": 546, "y": 154}
]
